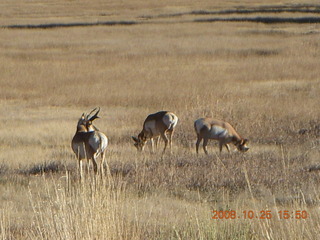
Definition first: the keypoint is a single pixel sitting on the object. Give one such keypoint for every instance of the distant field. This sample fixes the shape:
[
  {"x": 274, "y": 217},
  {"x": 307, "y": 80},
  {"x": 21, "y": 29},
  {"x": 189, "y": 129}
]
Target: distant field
[{"x": 253, "y": 64}]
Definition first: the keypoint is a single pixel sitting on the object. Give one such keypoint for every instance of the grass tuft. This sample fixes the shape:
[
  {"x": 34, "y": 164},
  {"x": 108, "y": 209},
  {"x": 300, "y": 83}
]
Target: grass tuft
[{"x": 53, "y": 167}]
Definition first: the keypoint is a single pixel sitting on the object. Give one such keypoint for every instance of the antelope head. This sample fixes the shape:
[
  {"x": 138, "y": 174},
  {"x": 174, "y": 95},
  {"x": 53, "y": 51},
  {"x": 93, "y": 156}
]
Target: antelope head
[
  {"x": 81, "y": 126},
  {"x": 90, "y": 127},
  {"x": 85, "y": 121},
  {"x": 140, "y": 141},
  {"x": 242, "y": 145}
]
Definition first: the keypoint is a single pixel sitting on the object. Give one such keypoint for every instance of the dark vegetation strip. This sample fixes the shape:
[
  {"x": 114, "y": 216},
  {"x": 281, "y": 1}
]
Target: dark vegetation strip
[
  {"x": 267, "y": 20},
  {"x": 253, "y": 11},
  {"x": 315, "y": 9},
  {"x": 64, "y": 25},
  {"x": 241, "y": 10}
]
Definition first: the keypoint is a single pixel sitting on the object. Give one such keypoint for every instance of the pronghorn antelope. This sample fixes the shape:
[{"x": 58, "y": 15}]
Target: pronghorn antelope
[
  {"x": 208, "y": 128},
  {"x": 88, "y": 142},
  {"x": 155, "y": 125}
]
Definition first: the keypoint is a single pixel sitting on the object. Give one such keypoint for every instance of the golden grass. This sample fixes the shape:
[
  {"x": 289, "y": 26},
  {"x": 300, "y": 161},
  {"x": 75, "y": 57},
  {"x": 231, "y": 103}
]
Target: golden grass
[{"x": 262, "y": 78}]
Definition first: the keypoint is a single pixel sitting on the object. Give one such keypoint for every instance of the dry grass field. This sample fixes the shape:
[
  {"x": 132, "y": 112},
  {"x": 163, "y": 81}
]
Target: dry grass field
[{"x": 253, "y": 64}]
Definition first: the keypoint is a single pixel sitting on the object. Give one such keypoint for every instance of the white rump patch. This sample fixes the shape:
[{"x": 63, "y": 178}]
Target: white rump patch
[
  {"x": 170, "y": 120},
  {"x": 98, "y": 142},
  {"x": 104, "y": 141}
]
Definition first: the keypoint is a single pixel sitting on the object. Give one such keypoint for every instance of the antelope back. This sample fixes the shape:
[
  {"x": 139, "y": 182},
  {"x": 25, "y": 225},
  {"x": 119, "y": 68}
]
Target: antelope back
[
  {"x": 214, "y": 129},
  {"x": 160, "y": 122},
  {"x": 210, "y": 128}
]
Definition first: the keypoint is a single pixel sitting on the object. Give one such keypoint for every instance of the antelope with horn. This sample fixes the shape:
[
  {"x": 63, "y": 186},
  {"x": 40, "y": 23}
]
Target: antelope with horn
[
  {"x": 157, "y": 124},
  {"x": 88, "y": 142},
  {"x": 208, "y": 128}
]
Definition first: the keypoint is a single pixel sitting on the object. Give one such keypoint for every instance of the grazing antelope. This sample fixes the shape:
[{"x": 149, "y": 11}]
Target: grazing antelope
[
  {"x": 88, "y": 142},
  {"x": 208, "y": 128},
  {"x": 155, "y": 125}
]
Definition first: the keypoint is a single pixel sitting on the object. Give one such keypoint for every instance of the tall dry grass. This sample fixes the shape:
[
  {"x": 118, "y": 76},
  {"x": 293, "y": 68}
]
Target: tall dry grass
[{"x": 262, "y": 78}]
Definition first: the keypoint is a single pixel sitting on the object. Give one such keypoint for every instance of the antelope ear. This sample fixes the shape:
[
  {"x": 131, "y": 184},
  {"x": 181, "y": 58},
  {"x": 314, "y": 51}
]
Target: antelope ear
[{"x": 135, "y": 139}]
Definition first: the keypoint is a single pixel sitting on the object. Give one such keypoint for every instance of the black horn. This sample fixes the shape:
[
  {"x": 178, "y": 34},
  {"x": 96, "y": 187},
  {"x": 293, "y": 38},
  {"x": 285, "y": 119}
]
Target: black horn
[{"x": 95, "y": 115}]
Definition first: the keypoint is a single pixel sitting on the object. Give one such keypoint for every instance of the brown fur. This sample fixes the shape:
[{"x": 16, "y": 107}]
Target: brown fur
[
  {"x": 158, "y": 117},
  {"x": 80, "y": 143},
  {"x": 161, "y": 129},
  {"x": 231, "y": 137}
]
